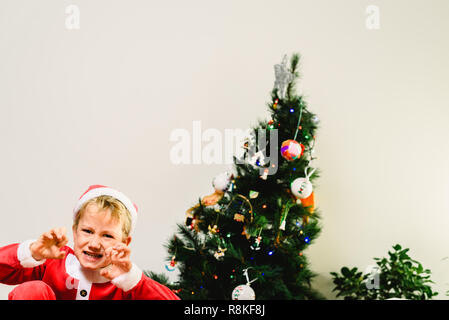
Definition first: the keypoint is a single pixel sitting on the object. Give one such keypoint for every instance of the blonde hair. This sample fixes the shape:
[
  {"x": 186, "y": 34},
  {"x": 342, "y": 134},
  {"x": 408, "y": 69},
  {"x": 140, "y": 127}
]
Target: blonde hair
[{"x": 118, "y": 212}]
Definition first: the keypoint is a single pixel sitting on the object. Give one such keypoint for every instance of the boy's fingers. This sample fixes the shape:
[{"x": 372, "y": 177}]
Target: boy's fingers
[
  {"x": 47, "y": 235},
  {"x": 105, "y": 273},
  {"x": 63, "y": 242},
  {"x": 54, "y": 235},
  {"x": 59, "y": 233},
  {"x": 122, "y": 248},
  {"x": 114, "y": 255}
]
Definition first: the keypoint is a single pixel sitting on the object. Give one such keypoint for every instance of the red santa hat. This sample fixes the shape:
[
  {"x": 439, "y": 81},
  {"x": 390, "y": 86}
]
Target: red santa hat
[{"x": 99, "y": 190}]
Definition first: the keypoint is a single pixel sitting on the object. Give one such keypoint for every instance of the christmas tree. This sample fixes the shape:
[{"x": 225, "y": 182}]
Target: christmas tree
[{"x": 248, "y": 239}]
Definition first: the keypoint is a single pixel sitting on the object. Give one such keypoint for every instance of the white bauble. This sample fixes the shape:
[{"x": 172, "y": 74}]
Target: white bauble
[
  {"x": 243, "y": 292},
  {"x": 222, "y": 182},
  {"x": 301, "y": 188}
]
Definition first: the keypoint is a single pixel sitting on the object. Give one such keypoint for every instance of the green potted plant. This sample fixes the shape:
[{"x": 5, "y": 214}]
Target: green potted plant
[{"x": 397, "y": 276}]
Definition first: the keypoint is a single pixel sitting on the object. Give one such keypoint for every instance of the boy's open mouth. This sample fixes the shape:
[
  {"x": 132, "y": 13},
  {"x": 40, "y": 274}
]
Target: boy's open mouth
[{"x": 93, "y": 255}]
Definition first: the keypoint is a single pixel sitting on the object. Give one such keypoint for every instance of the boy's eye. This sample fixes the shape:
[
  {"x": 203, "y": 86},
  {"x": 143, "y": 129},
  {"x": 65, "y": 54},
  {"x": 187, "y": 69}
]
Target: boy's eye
[
  {"x": 108, "y": 236},
  {"x": 87, "y": 231}
]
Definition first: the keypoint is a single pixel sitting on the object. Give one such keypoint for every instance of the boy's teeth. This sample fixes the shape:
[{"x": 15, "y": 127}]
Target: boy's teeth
[{"x": 93, "y": 255}]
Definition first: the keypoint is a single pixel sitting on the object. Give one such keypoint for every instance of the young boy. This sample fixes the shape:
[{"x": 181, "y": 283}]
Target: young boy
[{"x": 98, "y": 267}]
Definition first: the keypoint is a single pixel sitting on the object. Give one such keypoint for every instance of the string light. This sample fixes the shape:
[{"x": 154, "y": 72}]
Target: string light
[{"x": 292, "y": 110}]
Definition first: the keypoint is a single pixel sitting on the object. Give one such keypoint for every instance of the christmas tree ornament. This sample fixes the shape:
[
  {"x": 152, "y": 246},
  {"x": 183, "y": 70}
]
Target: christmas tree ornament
[
  {"x": 285, "y": 210},
  {"x": 291, "y": 149},
  {"x": 239, "y": 217},
  {"x": 246, "y": 234},
  {"x": 257, "y": 160},
  {"x": 240, "y": 204},
  {"x": 275, "y": 104},
  {"x": 219, "y": 254},
  {"x": 222, "y": 182},
  {"x": 171, "y": 266},
  {"x": 264, "y": 176},
  {"x": 213, "y": 230},
  {"x": 256, "y": 245},
  {"x": 253, "y": 194},
  {"x": 190, "y": 219},
  {"x": 302, "y": 187},
  {"x": 283, "y": 77},
  {"x": 212, "y": 199},
  {"x": 244, "y": 291},
  {"x": 309, "y": 202}
]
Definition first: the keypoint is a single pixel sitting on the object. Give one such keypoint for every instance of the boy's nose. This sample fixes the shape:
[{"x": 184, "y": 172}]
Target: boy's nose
[{"x": 95, "y": 244}]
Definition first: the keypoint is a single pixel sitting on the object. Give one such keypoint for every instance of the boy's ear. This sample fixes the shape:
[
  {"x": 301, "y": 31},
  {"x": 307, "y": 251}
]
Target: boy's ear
[
  {"x": 127, "y": 240},
  {"x": 74, "y": 231}
]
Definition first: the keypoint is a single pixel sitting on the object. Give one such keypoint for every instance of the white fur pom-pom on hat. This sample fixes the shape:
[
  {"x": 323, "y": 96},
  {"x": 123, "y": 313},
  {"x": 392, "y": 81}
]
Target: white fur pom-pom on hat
[{"x": 100, "y": 190}]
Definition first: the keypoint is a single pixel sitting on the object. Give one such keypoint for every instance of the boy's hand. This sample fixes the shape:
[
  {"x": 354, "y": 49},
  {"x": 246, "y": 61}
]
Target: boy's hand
[
  {"x": 119, "y": 256},
  {"x": 49, "y": 244}
]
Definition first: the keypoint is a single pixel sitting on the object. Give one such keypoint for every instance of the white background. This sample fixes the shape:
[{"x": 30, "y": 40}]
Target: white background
[{"x": 96, "y": 105}]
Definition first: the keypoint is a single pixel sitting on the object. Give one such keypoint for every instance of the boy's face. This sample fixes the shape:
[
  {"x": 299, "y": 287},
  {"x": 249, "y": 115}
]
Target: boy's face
[{"x": 96, "y": 232}]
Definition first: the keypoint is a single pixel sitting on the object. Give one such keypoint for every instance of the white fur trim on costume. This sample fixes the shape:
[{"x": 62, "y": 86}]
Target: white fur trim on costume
[
  {"x": 108, "y": 192},
  {"x": 128, "y": 280},
  {"x": 25, "y": 257}
]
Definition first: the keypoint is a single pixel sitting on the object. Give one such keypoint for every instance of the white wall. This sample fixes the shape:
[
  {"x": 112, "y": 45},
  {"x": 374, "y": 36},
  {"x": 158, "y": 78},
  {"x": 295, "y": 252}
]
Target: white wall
[{"x": 97, "y": 105}]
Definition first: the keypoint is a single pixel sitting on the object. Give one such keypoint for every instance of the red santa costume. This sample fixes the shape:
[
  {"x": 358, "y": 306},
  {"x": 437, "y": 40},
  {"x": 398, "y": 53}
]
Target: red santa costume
[{"x": 66, "y": 279}]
